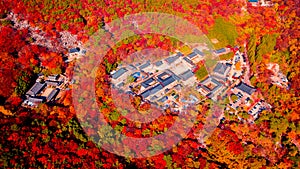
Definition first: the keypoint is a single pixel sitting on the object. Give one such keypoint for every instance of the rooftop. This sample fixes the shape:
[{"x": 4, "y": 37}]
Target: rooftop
[
  {"x": 210, "y": 85},
  {"x": 36, "y": 88},
  {"x": 198, "y": 52},
  {"x": 131, "y": 67},
  {"x": 119, "y": 73},
  {"x": 163, "y": 99},
  {"x": 221, "y": 68},
  {"x": 246, "y": 88},
  {"x": 172, "y": 74},
  {"x": 178, "y": 87},
  {"x": 74, "y": 50},
  {"x": 186, "y": 75},
  {"x": 191, "y": 55},
  {"x": 53, "y": 77},
  {"x": 35, "y": 99},
  {"x": 172, "y": 59},
  {"x": 52, "y": 83},
  {"x": 152, "y": 91},
  {"x": 53, "y": 94},
  {"x": 145, "y": 65},
  {"x": 153, "y": 98},
  {"x": 179, "y": 54},
  {"x": 222, "y": 50},
  {"x": 158, "y": 63},
  {"x": 121, "y": 84},
  {"x": 163, "y": 76},
  {"x": 188, "y": 60},
  {"x": 168, "y": 81},
  {"x": 136, "y": 75},
  {"x": 148, "y": 82}
]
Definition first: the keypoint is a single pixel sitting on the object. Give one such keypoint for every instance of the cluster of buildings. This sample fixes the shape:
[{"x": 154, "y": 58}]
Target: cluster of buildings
[
  {"x": 75, "y": 53},
  {"x": 223, "y": 76},
  {"x": 45, "y": 89},
  {"x": 260, "y": 2},
  {"x": 50, "y": 88},
  {"x": 278, "y": 78},
  {"x": 247, "y": 98},
  {"x": 161, "y": 82},
  {"x": 164, "y": 82}
]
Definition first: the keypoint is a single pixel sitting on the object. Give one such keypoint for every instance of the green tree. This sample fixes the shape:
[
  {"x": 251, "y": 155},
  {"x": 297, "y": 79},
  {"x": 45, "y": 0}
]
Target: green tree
[
  {"x": 267, "y": 45},
  {"x": 23, "y": 84},
  {"x": 224, "y": 31},
  {"x": 201, "y": 73},
  {"x": 234, "y": 97},
  {"x": 252, "y": 48},
  {"x": 130, "y": 79}
]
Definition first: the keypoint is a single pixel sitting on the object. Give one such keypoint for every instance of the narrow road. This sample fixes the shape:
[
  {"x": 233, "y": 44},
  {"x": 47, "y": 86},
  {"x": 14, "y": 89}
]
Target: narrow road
[{"x": 247, "y": 73}]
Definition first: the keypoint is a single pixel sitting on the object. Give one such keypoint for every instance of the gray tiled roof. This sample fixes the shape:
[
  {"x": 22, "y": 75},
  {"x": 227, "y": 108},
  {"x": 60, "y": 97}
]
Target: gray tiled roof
[
  {"x": 153, "y": 98},
  {"x": 146, "y": 93},
  {"x": 219, "y": 77},
  {"x": 215, "y": 81},
  {"x": 198, "y": 52},
  {"x": 216, "y": 88},
  {"x": 151, "y": 91},
  {"x": 119, "y": 73},
  {"x": 220, "y": 50},
  {"x": 52, "y": 83},
  {"x": 188, "y": 60},
  {"x": 158, "y": 63},
  {"x": 210, "y": 79},
  {"x": 221, "y": 68},
  {"x": 146, "y": 83},
  {"x": 163, "y": 99},
  {"x": 179, "y": 54},
  {"x": 156, "y": 88},
  {"x": 172, "y": 74},
  {"x": 246, "y": 88},
  {"x": 161, "y": 75},
  {"x": 168, "y": 81},
  {"x": 191, "y": 55},
  {"x": 35, "y": 99},
  {"x": 53, "y": 94},
  {"x": 121, "y": 84},
  {"x": 145, "y": 65},
  {"x": 53, "y": 77},
  {"x": 186, "y": 75},
  {"x": 172, "y": 59},
  {"x": 74, "y": 50},
  {"x": 131, "y": 67},
  {"x": 36, "y": 88}
]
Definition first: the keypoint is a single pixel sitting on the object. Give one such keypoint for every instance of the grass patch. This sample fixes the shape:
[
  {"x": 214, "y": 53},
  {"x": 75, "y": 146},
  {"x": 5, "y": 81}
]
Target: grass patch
[
  {"x": 201, "y": 73},
  {"x": 267, "y": 45},
  {"x": 224, "y": 31},
  {"x": 234, "y": 97},
  {"x": 185, "y": 50},
  {"x": 210, "y": 63},
  {"x": 226, "y": 56}
]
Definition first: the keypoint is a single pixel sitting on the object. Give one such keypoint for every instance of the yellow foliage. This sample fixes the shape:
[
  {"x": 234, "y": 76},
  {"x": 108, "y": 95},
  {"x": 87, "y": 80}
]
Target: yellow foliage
[
  {"x": 5, "y": 112},
  {"x": 185, "y": 50},
  {"x": 238, "y": 65}
]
